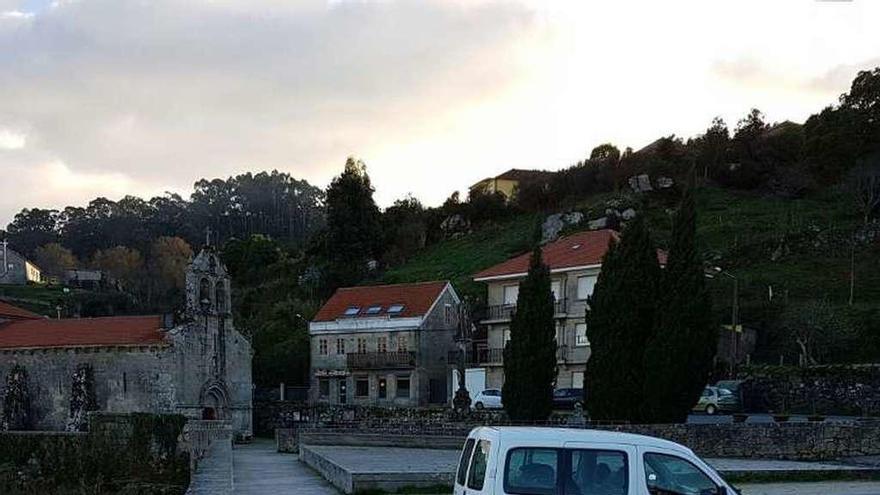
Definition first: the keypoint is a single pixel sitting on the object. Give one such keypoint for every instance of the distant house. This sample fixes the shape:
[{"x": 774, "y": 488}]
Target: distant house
[
  {"x": 15, "y": 269},
  {"x": 508, "y": 182},
  {"x": 86, "y": 279},
  {"x": 575, "y": 262},
  {"x": 384, "y": 345}
]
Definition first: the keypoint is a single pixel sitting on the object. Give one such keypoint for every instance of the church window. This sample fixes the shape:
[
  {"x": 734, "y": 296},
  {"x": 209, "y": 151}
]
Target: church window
[
  {"x": 448, "y": 314},
  {"x": 340, "y": 346},
  {"x": 324, "y": 387},
  {"x": 204, "y": 293},
  {"x": 373, "y": 310},
  {"x": 322, "y": 347},
  {"x": 362, "y": 345},
  {"x": 382, "y": 344},
  {"x": 402, "y": 343},
  {"x": 383, "y": 388},
  {"x": 362, "y": 387},
  {"x": 395, "y": 309},
  {"x": 124, "y": 383},
  {"x": 352, "y": 311}
]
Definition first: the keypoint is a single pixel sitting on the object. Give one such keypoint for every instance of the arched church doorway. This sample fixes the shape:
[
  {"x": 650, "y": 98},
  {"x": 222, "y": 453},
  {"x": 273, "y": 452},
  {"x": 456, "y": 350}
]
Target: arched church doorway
[{"x": 214, "y": 402}]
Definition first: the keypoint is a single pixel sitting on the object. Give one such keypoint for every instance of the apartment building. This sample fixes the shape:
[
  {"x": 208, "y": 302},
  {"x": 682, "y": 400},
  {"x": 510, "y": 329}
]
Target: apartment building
[{"x": 384, "y": 345}]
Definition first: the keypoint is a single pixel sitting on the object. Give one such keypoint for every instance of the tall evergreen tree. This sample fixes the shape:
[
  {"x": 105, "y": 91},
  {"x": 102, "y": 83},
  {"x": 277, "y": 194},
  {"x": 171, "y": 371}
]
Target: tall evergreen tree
[
  {"x": 679, "y": 356},
  {"x": 354, "y": 229},
  {"x": 620, "y": 320},
  {"x": 530, "y": 356}
]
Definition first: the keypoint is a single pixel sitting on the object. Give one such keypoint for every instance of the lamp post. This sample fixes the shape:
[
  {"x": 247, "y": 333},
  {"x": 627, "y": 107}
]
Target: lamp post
[{"x": 734, "y": 318}]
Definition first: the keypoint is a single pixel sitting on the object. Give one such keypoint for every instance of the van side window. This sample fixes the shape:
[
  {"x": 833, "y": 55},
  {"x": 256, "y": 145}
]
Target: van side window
[
  {"x": 666, "y": 473},
  {"x": 597, "y": 472},
  {"x": 531, "y": 471},
  {"x": 463, "y": 463},
  {"x": 477, "y": 474}
]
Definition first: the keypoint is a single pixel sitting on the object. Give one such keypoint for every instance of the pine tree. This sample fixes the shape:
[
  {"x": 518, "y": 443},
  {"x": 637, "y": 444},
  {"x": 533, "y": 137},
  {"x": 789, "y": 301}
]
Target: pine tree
[
  {"x": 620, "y": 320},
  {"x": 679, "y": 356},
  {"x": 530, "y": 356},
  {"x": 354, "y": 229}
]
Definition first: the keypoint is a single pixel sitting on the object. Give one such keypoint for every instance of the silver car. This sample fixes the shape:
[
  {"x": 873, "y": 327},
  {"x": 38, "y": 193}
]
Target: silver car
[{"x": 714, "y": 400}]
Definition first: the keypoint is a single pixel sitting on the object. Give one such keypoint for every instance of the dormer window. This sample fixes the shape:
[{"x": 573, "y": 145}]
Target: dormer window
[
  {"x": 374, "y": 310},
  {"x": 352, "y": 311},
  {"x": 394, "y": 309}
]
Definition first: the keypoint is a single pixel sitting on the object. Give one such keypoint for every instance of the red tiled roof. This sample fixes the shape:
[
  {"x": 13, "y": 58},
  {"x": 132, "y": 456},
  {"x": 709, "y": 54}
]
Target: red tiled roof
[
  {"x": 522, "y": 174},
  {"x": 109, "y": 331},
  {"x": 8, "y": 311},
  {"x": 416, "y": 299},
  {"x": 581, "y": 249}
]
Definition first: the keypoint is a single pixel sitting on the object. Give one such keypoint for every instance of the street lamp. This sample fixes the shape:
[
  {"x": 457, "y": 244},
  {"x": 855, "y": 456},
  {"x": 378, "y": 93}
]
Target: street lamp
[{"x": 734, "y": 316}]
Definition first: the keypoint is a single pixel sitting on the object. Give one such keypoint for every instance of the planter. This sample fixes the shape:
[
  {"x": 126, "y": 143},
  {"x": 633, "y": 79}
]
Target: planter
[
  {"x": 740, "y": 418},
  {"x": 781, "y": 418}
]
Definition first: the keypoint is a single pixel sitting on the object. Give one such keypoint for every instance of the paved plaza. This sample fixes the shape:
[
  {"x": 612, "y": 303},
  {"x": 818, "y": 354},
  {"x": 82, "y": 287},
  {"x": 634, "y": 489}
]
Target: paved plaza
[{"x": 259, "y": 470}]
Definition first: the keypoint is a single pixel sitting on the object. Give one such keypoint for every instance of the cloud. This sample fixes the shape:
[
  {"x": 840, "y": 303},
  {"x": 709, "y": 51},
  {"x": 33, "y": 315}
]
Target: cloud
[{"x": 11, "y": 140}]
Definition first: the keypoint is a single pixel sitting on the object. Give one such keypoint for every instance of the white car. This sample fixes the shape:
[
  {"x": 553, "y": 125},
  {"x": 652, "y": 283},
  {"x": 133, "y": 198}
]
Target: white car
[
  {"x": 488, "y": 399},
  {"x": 562, "y": 461}
]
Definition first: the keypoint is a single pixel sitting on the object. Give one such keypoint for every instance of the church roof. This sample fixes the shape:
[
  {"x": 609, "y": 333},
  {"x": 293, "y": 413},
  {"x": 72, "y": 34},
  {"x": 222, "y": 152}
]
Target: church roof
[
  {"x": 8, "y": 311},
  {"x": 395, "y": 300},
  {"x": 82, "y": 332}
]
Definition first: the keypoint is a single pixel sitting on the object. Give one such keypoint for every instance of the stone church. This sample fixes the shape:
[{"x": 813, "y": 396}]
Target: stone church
[{"x": 198, "y": 366}]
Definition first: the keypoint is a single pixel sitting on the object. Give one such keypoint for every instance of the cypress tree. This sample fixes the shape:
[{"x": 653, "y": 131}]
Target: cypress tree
[
  {"x": 680, "y": 354},
  {"x": 620, "y": 320},
  {"x": 530, "y": 356}
]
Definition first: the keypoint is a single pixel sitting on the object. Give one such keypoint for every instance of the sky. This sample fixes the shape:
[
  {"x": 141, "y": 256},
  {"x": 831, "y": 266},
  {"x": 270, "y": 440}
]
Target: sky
[{"x": 115, "y": 97}]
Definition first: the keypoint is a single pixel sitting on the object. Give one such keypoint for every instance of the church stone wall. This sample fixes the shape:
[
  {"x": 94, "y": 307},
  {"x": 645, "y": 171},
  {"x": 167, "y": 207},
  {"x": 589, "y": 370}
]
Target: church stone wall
[{"x": 138, "y": 379}]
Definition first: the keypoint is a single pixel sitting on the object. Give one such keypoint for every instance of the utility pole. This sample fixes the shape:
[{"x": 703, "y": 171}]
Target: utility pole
[{"x": 5, "y": 268}]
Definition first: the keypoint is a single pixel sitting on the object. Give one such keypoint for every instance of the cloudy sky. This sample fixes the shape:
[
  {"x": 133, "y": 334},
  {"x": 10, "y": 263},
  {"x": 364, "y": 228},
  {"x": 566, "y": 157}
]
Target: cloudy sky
[{"x": 114, "y": 97}]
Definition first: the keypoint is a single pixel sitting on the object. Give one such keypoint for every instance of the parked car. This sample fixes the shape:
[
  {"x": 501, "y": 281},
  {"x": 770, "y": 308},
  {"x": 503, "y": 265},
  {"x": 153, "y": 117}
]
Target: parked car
[
  {"x": 550, "y": 461},
  {"x": 714, "y": 400},
  {"x": 568, "y": 398},
  {"x": 488, "y": 399}
]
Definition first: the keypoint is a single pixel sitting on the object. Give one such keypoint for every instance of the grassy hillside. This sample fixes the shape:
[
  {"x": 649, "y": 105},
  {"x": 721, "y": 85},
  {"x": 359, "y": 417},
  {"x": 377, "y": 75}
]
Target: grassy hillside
[
  {"x": 458, "y": 259},
  {"x": 800, "y": 248},
  {"x": 44, "y": 299}
]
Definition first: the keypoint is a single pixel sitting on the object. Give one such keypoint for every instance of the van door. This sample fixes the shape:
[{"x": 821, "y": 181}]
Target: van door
[
  {"x": 599, "y": 469},
  {"x": 463, "y": 463},
  {"x": 669, "y": 471},
  {"x": 481, "y": 471}
]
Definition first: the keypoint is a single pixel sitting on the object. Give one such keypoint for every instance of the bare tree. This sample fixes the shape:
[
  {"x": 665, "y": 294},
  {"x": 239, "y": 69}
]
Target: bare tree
[{"x": 864, "y": 185}]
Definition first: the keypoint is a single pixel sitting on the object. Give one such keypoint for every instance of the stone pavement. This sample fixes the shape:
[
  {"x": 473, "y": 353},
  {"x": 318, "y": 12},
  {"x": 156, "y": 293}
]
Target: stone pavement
[
  {"x": 214, "y": 474},
  {"x": 260, "y": 470},
  {"x": 818, "y": 488}
]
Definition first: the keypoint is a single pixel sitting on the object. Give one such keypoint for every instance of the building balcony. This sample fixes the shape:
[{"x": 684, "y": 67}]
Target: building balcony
[
  {"x": 380, "y": 360},
  {"x": 504, "y": 312},
  {"x": 490, "y": 357}
]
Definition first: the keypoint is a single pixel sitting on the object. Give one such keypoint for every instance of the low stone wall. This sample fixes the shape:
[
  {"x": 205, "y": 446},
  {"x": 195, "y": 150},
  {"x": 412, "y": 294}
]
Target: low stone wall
[{"x": 792, "y": 441}]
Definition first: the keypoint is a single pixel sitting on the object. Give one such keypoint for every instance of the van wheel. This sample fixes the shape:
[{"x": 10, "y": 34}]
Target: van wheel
[
  {"x": 711, "y": 409},
  {"x": 478, "y": 405}
]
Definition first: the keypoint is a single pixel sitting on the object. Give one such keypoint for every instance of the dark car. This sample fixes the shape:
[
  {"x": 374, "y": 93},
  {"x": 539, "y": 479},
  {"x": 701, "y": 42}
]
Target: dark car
[{"x": 567, "y": 398}]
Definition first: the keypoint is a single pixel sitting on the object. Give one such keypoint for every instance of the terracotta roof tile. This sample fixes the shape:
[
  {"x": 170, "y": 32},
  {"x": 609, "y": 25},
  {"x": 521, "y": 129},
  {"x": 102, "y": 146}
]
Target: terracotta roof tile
[
  {"x": 416, "y": 299},
  {"x": 8, "y": 311},
  {"x": 581, "y": 249},
  {"x": 109, "y": 331}
]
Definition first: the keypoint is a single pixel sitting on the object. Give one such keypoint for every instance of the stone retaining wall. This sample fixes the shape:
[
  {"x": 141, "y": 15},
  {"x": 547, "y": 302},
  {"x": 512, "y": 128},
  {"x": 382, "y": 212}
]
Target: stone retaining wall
[{"x": 793, "y": 441}]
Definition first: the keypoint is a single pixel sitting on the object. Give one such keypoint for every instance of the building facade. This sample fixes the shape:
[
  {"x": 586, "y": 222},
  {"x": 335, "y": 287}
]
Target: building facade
[
  {"x": 508, "y": 182},
  {"x": 384, "y": 345},
  {"x": 575, "y": 262},
  {"x": 199, "y": 366},
  {"x": 15, "y": 269}
]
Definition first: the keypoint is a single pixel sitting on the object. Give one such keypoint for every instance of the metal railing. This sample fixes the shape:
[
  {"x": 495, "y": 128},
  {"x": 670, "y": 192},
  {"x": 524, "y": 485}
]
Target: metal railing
[
  {"x": 496, "y": 356},
  {"x": 380, "y": 360},
  {"x": 506, "y": 311}
]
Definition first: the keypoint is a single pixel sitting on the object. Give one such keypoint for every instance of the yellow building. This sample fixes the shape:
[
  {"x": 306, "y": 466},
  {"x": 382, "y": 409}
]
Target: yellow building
[{"x": 508, "y": 182}]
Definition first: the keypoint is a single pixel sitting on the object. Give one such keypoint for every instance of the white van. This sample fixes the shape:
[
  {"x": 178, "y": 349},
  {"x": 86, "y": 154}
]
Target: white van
[{"x": 563, "y": 461}]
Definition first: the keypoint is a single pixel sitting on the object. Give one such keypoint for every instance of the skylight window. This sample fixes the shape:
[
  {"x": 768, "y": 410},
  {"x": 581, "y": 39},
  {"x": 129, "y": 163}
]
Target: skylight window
[
  {"x": 372, "y": 310},
  {"x": 352, "y": 311},
  {"x": 394, "y": 309}
]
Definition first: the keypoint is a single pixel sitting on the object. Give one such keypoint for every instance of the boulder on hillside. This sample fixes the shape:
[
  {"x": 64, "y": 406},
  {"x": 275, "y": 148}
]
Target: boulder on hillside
[
  {"x": 554, "y": 224},
  {"x": 455, "y": 225},
  {"x": 640, "y": 183}
]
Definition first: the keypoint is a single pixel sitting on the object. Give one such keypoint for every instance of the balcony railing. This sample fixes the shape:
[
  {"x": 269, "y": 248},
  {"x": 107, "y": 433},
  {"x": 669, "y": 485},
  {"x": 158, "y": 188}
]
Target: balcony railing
[
  {"x": 380, "y": 360},
  {"x": 506, "y": 311},
  {"x": 482, "y": 357}
]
